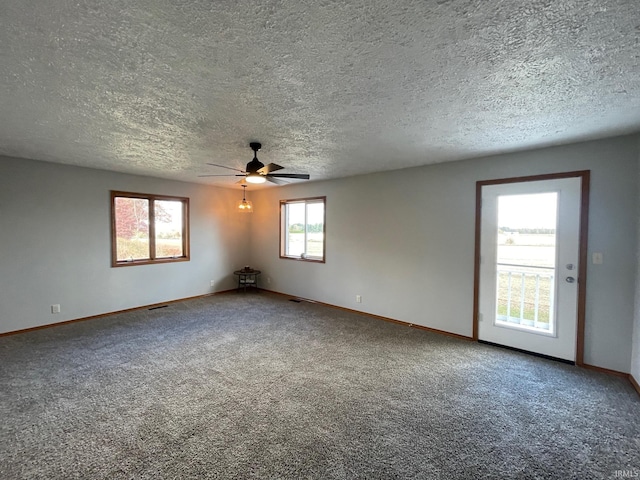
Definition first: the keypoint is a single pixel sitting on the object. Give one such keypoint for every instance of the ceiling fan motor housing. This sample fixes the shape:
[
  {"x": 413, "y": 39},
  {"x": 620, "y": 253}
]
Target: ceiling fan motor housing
[{"x": 254, "y": 165}]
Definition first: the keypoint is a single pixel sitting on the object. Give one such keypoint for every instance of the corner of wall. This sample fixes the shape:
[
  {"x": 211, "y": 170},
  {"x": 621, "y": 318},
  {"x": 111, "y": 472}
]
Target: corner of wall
[{"x": 635, "y": 353}]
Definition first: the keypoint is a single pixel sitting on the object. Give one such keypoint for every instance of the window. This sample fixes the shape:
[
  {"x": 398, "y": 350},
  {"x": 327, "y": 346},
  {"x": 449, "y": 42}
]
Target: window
[
  {"x": 302, "y": 230},
  {"x": 148, "y": 229}
]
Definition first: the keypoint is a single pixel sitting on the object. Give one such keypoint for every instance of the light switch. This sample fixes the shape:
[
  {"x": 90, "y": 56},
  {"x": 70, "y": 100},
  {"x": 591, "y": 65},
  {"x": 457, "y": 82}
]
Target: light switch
[{"x": 596, "y": 258}]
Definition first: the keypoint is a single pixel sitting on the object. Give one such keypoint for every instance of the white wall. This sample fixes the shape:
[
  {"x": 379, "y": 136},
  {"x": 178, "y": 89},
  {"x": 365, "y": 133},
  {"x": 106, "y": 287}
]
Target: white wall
[
  {"x": 404, "y": 240},
  {"x": 55, "y": 244},
  {"x": 635, "y": 356}
]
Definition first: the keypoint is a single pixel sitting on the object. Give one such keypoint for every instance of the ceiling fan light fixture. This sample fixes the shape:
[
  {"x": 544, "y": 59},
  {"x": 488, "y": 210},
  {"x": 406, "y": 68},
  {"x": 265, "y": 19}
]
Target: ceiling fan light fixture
[{"x": 255, "y": 178}]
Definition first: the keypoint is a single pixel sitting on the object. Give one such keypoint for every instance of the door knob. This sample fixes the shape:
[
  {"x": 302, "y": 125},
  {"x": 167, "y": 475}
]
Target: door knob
[{"x": 570, "y": 279}]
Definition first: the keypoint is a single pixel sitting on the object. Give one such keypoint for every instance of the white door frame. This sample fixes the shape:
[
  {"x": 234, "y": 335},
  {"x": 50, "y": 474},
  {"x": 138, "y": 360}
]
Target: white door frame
[{"x": 584, "y": 176}]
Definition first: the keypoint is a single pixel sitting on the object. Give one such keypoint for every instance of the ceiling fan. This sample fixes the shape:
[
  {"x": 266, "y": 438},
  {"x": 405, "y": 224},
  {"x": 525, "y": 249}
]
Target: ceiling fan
[{"x": 258, "y": 172}]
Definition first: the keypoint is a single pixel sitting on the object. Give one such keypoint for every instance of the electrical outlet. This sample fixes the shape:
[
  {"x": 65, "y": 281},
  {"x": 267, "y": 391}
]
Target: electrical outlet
[
  {"x": 55, "y": 308},
  {"x": 358, "y": 298},
  {"x": 597, "y": 258},
  {"x": 269, "y": 280},
  {"x": 213, "y": 284}
]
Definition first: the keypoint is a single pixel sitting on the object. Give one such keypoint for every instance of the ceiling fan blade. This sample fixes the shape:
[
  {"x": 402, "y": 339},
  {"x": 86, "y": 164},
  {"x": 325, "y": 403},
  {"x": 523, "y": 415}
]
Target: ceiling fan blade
[
  {"x": 272, "y": 167},
  {"x": 277, "y": 181},
  {"x": 229, "y": 175},
  {"x": 301, "y": 176},
  {"x": 223, "y": 166}
]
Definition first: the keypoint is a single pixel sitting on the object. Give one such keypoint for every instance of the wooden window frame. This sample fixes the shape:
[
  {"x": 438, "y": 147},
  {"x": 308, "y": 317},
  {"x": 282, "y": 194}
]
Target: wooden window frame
[
  {"x": 282, "y": 245},
  {"x": 185, "y": 257}
]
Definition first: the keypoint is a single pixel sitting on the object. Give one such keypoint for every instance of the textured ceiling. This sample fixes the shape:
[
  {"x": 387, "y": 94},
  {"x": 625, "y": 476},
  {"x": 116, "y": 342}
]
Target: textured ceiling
[{"x": 331, "y": 88}]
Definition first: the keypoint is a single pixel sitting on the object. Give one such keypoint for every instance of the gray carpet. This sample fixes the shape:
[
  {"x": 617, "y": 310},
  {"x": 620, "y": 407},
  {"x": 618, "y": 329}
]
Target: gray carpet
[{"x": 255, "y": 386}]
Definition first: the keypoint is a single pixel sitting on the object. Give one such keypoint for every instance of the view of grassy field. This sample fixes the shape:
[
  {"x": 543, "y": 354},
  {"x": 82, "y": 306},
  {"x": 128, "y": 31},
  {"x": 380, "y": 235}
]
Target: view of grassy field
[
  {"x": 138, "y": 249},
  {"x": 315, "y": 243}
]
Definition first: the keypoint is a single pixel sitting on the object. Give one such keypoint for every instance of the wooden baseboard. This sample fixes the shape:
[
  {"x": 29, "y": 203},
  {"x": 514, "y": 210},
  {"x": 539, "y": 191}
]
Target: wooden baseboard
[
  {"x": 604, "y": 370},
  {"x": 102, "y": 315},
  {"x": 635, "y": 384},
  {"x": 607, "y": 371},
  {"x": 372, "y": 315}
]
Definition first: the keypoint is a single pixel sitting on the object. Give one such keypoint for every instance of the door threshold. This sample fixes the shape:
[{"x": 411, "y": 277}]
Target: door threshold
[{"x": 539, "y": 355}]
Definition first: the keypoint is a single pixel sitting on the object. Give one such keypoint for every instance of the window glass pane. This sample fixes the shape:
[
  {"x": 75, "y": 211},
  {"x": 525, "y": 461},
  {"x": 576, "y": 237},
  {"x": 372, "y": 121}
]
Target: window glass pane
[
  {"x": 526, "y": 260},
  {"x": 132, "y": 228},
  {"x": 315, "y": 229},
  {"x": 168, "y": 219},
  {"x": 295, "y": 229}
]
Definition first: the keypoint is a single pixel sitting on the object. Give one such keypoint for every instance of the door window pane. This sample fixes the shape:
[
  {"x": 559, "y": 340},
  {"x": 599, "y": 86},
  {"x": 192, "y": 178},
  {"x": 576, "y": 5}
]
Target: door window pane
[{"x": 526, "y": 260}]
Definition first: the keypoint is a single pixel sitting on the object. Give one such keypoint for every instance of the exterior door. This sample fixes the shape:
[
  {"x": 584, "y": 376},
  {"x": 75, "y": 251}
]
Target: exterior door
[{"x": 529, "y": 259}]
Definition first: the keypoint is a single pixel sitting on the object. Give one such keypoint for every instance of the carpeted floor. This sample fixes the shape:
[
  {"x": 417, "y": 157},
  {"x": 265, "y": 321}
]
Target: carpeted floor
[{"x": 256, "y": 386}]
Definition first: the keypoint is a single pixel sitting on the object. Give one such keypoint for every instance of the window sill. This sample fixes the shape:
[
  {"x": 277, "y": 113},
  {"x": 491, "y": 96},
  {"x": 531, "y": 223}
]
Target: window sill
[
  {"x": 149, "y": 262},
  {"x": 308, "y": 259}
]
